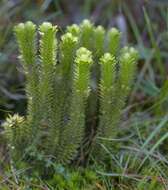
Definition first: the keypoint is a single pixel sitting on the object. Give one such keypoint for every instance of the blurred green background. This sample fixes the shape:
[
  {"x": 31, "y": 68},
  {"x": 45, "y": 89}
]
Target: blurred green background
[{"x": 143, "y": 24}]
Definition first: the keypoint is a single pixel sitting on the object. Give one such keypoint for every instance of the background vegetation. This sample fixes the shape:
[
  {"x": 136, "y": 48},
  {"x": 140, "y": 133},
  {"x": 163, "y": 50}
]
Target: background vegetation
[{"x": 142, "y": 158}]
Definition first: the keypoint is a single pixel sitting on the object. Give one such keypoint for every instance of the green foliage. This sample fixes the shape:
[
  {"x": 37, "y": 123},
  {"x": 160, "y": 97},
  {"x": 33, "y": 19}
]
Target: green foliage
[
  {"x": 48, "y": 119},
  {"x": 99, "y": 38},
  {"x": 73, "y": 29},
  {"x": 113, "y": 38},
  {"x": 63, "y": 179},
  {"x": 59, "y": 85},
  {"x": 73, "y": 132},
  {"x": 114, "y": 88},
  {"x": 107, "y": 90},
  {"x": 15, "y": 133},
  {"x": 68, "y": 47},
  {"x": 86, "y": 34},
  {"x": 148, "y": 102},
  {"x": 26, "y": 37}
]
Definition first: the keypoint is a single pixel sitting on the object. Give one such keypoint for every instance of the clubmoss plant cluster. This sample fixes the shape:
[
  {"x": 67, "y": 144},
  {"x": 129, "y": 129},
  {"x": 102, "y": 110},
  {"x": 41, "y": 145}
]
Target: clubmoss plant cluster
[{"x": 64, "y": 77}]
